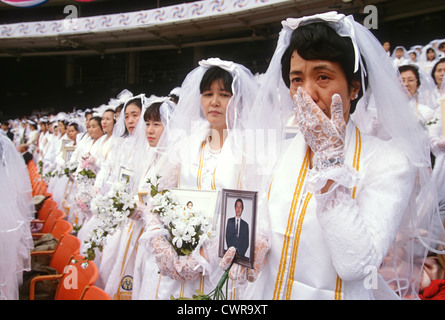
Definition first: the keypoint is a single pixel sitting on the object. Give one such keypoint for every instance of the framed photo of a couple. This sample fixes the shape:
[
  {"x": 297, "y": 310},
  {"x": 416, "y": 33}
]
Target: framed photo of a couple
[{"x": 238, "y": 222}]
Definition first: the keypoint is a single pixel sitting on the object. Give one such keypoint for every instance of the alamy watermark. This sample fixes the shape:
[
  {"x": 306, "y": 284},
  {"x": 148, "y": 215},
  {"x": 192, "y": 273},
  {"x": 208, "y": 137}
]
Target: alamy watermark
[
  {"x": 71, "y": 20},
  {"x": 372, "y": 19}
]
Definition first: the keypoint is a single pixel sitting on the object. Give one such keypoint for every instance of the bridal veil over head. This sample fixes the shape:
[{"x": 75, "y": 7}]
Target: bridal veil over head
[
  {"x": 188, "y": 119},
  {"x": 421, "y": 228}
]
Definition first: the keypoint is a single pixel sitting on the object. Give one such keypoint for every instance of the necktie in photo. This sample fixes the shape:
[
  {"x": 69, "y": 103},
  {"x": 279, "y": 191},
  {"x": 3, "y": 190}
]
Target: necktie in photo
[{"x": 237, "y": 227}]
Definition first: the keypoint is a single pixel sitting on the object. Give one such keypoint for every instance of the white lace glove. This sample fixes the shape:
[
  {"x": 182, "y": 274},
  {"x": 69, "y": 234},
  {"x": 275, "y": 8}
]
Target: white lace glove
[
  {"x": 324, "y": 136},
  {"x": 170, "y": 264},
  {"x": 240, "y": 273},
  {"x": 188, "y": 268},
  {"x": 165, "y": 257},
  {"x": 139, "y": 211}
]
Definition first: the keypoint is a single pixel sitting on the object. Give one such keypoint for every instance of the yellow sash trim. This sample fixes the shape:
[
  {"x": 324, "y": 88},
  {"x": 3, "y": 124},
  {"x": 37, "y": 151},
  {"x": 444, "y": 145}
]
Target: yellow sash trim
[
  {"x": 295, "y": 247},
  {"x": 357, "y": 153},
  {"x": 181, "y": 291},
  {"x": 281, "y": 269},
  {"x": 270, "y": 187},
  {"x": 338, "y": 288},
  {"x": 130, "y": 231},
  {"x": 200, "y": 166},
  {"x": 213, "y": 182},
  {"x": 157, "y": 289},
  {"x": 290, "y": 222}
]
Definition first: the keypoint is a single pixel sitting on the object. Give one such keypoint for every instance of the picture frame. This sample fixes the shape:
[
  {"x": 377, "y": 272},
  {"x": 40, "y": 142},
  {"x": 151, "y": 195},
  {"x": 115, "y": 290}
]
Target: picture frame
[
  {"x": 65, "y": 142},
  {"x": 125, "y": 174},
  {"x": 204, "y": 200},
  {"x": 67, "y": 152},
  {"x": 244, "y": 238},
  {"x": 142, "y": 194}
]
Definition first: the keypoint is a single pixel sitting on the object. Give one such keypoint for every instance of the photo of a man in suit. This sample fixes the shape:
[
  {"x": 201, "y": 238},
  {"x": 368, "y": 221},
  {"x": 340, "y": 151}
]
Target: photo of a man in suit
[{"x": 237, "y": 230}]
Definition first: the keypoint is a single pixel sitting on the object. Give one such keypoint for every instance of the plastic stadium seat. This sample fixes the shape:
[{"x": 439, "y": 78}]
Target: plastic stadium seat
[
  {"x": 67, "y": 247},
  {"x": 46, "y": 208},
  {"x": 94, "y": 293},
  {"x": 76, "y": 278},
  {"x": 60, "y": 228},
  {"x": 53, "y": 216}
]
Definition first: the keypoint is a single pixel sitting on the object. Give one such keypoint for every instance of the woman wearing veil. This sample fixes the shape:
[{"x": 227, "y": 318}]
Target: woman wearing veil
[
  {"x": 204, "y": 152},
  {"x": 428, "y": 58},
  {"x": 125, "y": 149},
  {"x": 399, "y": 56},
  {"x": 95, "y": 148},
  {"x": 108, "y": 121},
  {"x": 60, "y": 182},
  {"x": 123, "y": 275},
  {"x": 49, "y": 162},
  {"x": 340, "y": 200},
  {"x": 86, "y": 160},
  {"x": 416, "y": 83},
  {"x": 436, "y": 132}
]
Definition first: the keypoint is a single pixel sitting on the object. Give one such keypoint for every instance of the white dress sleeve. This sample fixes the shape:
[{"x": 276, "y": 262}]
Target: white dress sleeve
[{"x": 360, "y": 231}]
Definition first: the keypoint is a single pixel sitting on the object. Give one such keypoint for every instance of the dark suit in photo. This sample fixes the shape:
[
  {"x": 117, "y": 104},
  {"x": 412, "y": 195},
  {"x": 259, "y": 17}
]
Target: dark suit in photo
[{"x": 238, "y": 239}]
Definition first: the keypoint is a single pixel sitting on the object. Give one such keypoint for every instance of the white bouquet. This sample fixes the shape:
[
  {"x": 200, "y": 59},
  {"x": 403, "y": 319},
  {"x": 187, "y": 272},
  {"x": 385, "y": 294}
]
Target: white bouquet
[
  {"x": 70, "y": 168},
  {"x": 187, "y": 227},
  {"x": 113, "y": 210}
]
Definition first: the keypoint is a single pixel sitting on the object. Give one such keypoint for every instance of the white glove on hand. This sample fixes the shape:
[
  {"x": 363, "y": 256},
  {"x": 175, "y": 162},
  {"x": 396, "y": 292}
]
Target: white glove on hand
[
  {"x": 188, "y": 268},
  {"x": 240, "y": 273},
  {"x": 165, "y": 257},
  {"x": 170, "y": 264},
  {"x": 139, "y": 211},
  {"x": 324, "y": 136}
]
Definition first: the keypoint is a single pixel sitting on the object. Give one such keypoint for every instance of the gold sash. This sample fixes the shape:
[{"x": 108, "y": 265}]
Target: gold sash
[{"x": 287, "y": 237}]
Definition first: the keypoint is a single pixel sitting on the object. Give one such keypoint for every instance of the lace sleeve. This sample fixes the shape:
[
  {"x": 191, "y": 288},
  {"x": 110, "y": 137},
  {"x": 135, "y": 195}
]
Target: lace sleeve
[{"x": 361, "y": 230}]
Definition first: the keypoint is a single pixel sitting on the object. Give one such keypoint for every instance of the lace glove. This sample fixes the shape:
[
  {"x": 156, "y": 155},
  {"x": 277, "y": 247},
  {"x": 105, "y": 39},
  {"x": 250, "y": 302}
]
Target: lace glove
[
  {"x": 324, "y": 136},
  {"x": 240, "y": 273},
  {"x": 188, "y": 268},
  {"x": 139, "y": 211},
  {"x": 165, "y": 257},
  {"x": 170, "y": 264}
]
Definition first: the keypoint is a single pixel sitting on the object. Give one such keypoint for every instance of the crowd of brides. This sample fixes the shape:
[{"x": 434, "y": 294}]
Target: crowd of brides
[{"x": 342, "y": 142}]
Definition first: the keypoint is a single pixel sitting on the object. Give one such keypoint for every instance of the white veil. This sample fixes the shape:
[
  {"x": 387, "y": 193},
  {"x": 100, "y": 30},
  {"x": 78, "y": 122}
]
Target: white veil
[
  {"x": 421, "y": 227},
  {"x": 127, "y": 148},
  {"x": 427, "y": 94},
  {"x": 188, "y": 119},
  {"x": 16, "y": 210},
  {"x": 405, "y": 53}
]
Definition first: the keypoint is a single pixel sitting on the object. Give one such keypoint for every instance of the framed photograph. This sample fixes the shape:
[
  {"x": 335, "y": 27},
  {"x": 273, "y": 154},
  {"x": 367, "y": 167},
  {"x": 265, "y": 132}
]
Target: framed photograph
[
  {"x": 142, "y": 196},
  {"x": 238, "y": 222},
  {"x": 125, "y": 174},
  {"x": 65, "y": 142},
  {"x": 201, "y": 200},
  {"x": 67, "y": 152}
]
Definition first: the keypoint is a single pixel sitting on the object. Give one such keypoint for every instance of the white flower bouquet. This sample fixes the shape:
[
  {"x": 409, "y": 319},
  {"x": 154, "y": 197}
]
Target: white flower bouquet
[
  {"x": 70, "y": 168},
  {"x": 187, "y": 227},
  {"x": 113, "y": 209}
]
